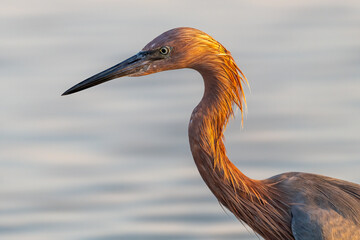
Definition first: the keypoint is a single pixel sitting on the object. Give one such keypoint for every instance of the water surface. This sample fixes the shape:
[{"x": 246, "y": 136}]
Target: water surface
[{"x": 113, "y": 162}]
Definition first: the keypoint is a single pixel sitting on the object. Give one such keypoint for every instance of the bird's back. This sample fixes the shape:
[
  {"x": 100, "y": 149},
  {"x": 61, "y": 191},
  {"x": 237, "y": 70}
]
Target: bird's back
[{"x": 321, "y": 207}]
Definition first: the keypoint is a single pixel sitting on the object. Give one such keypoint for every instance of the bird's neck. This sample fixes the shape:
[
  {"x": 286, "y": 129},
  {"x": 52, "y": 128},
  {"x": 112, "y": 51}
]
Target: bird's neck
[
  {"x": 245, "y": 197},
  {"x": 207, "y": 124}
]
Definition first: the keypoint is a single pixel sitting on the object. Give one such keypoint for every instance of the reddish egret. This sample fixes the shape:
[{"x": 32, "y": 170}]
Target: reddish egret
[{"x": 287, "y": 206}]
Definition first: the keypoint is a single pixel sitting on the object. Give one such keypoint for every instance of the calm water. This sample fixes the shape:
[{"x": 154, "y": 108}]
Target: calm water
[{"x": 113, "y": 162}]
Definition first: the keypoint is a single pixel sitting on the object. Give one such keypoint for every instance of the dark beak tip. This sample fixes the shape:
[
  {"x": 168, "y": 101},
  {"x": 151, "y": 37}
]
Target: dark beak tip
[
  {"x": 67, "y": 92},
  {"x": 72, "y": 90}
]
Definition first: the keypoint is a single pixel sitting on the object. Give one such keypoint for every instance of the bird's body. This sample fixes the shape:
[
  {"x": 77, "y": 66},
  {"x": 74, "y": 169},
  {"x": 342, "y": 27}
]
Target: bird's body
[{"x": 288, "y": 206}]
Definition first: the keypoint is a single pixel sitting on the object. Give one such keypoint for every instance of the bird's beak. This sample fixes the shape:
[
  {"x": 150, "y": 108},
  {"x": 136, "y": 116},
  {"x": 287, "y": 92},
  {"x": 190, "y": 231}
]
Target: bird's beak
[{"x": 133, "y": 65}]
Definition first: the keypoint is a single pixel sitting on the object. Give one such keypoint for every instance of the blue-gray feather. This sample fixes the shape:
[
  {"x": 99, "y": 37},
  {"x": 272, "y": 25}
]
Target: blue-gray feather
[{"x": 322, "y": 208}]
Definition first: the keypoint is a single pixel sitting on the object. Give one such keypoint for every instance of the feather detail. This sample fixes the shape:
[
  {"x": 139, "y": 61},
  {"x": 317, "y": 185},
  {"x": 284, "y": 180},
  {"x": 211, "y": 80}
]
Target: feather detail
[{"x": 249, "y": 200}]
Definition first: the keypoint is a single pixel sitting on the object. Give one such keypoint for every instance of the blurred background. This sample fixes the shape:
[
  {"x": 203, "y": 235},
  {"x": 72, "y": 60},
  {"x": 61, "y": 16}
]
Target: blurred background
[{"x": 113, "y": 162}]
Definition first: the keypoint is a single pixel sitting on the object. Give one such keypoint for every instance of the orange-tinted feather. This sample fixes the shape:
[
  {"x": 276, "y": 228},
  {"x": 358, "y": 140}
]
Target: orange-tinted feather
[{"x": 250, "y": 200}]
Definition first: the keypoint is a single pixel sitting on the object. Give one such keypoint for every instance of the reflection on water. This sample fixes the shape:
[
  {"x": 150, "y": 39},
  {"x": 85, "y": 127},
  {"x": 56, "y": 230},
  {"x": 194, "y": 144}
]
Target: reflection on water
[{"x": 113, "y": 162}]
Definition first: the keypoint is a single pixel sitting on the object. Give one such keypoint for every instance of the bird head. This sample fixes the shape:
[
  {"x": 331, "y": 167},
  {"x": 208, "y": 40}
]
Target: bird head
[{"x": 175, "y": 49}]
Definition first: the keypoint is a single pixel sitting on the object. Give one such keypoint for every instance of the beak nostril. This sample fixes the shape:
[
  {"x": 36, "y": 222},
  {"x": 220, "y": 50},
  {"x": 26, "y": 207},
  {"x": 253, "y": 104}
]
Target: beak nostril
[{"x": 134, "y": 61}]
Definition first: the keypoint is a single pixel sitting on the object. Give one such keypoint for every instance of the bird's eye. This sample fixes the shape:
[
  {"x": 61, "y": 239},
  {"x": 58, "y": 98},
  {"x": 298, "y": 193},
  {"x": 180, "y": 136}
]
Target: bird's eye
[{"x": 164, "y": 50}]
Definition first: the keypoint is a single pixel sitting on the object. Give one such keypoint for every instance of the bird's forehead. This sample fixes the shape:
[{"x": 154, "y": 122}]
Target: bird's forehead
[
  {"x": 162, "y": 40},
  {"x": 176, "y": 36}
]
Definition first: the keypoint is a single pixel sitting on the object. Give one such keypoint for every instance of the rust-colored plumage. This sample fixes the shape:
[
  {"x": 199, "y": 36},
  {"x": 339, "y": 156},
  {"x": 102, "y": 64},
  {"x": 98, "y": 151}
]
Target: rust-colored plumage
[
  {"x": 248, "y": 199},
  {"x": 278, "y": 208}
]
